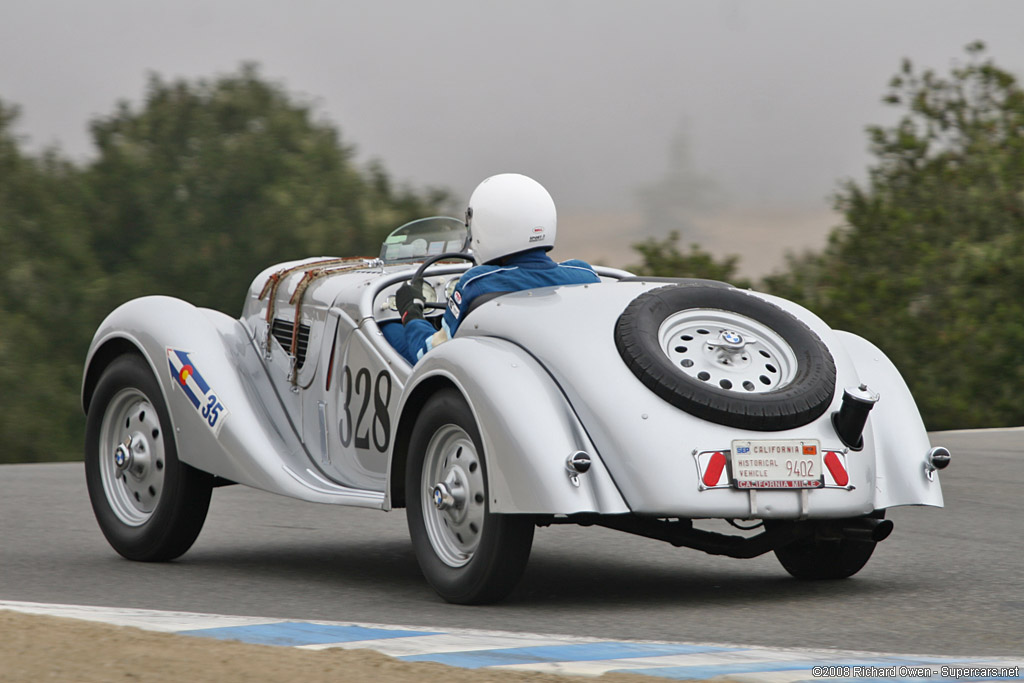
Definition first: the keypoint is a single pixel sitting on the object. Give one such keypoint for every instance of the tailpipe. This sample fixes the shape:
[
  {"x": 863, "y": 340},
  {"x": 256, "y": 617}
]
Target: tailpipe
[
  {"x": 867, "y": 530},
  {"x": 852, "y": 415}
]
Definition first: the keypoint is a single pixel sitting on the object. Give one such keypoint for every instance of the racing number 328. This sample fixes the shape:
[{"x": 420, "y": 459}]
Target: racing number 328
[{"x": 379, "y": 425}]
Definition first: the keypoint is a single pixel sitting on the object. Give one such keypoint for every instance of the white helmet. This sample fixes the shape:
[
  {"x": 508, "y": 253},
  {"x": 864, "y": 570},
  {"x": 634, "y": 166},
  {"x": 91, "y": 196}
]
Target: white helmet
[{"x": 509, "y": 213}]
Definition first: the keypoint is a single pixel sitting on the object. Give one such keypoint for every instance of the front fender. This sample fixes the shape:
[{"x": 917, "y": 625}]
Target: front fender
[
  {"x": 527, "y": 426},
  {"x": 251, "y": 439},
  {"x": 900, "y": 439}
]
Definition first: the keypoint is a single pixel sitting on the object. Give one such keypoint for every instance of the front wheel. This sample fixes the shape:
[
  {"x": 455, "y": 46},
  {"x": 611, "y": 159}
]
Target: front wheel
[
  {"x": 149, "y": 505},
  {"x": 468, "y": 554}
]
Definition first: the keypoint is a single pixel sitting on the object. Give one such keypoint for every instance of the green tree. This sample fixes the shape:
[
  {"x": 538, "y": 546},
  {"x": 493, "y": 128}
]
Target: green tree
[
  {"x": 663, "y": 258},
  {"x": 930, "y": 265},
  {"x": 211, "y": 181},
  {"x": 52, "y": 291},
  {"x": 191, "y": 195}
]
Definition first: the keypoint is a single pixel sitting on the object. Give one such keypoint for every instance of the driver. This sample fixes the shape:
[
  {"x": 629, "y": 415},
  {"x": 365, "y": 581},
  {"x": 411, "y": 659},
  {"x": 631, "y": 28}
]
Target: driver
[{"x": 511, "y": 221}]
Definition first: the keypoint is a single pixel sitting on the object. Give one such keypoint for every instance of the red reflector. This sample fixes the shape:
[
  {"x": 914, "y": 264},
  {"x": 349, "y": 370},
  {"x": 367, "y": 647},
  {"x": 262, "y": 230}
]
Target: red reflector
[
  {"x": 836, "y": 469},
  {"x": 714, "y": 471}
]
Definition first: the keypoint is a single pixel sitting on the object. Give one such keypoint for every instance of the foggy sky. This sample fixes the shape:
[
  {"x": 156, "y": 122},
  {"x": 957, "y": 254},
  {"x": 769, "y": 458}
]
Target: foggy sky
[{"x": 585, "y": 95}]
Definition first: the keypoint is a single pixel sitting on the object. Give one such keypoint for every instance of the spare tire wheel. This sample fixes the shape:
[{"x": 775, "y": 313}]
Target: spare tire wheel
[{"x": 727, "y": 357}]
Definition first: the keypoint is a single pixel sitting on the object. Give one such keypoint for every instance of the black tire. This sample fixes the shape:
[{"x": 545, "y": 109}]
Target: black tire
[
  {"x": 170, "y": 498},
  {"x": 815, "y": 560},
  {"x": 804, "y": 398},
  {"x": 446, "y": 437}
]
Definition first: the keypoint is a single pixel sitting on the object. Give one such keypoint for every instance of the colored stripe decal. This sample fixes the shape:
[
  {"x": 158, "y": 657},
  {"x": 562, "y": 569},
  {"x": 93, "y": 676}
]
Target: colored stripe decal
[
  {"x": 836, "y": 469},
  {"x": 715, "y": 467}
]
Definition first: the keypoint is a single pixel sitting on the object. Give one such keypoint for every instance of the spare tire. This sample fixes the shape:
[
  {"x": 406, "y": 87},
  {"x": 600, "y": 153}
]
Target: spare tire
[{"x": 727, "y": 357}]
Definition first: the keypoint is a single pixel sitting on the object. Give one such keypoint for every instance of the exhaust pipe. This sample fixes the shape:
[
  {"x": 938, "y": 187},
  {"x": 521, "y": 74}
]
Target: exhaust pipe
[
  {"x": 867, "y": 530},
  {"x": 851, "y": 417}
]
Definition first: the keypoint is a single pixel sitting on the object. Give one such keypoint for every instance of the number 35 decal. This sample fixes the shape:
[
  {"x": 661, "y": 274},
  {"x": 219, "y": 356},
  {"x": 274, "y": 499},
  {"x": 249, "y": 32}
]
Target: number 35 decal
[{"x": 376, "y": 426}]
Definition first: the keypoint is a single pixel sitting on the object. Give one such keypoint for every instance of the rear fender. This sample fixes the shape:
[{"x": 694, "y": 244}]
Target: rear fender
[
  {"x": 900, "y": 439},
  {"x": 527, "y": 426},
  {"x": 249, "y": 438}
]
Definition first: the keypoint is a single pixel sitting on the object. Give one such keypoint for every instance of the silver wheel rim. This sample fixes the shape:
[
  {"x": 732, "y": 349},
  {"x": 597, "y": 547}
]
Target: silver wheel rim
[
  {"x": 727, "y": 350},
  {"x": 131, "y": 426},
  {"x": 451, "y": 460}
]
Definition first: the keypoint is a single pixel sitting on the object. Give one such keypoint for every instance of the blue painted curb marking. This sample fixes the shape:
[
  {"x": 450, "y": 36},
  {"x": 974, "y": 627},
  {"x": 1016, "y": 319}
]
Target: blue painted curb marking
[
  {"x": 572, "y": 655},
  {"x": 582, "y": 652},
  {"x": 294, "y": 633}
]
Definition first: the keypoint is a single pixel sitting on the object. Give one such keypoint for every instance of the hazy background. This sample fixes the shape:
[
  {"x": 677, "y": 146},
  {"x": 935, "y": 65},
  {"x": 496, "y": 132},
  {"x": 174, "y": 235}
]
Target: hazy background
[{"x": 730, "y": 120}]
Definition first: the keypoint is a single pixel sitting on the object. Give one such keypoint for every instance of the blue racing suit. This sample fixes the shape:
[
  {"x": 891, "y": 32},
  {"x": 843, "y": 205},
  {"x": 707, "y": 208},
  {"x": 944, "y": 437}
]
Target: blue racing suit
[{"x": 525, "y": 270}]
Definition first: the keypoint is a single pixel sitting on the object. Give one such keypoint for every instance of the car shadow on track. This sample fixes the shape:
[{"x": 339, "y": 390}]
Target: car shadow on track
[
  {"x": 566, "y": 581},
  {"x": 388, "y": 569}
]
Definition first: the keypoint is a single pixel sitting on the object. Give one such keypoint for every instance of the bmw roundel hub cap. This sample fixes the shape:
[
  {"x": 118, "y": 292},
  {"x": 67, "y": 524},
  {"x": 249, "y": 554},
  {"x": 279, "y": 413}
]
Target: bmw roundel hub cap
[{"x": 732, "y": 338}]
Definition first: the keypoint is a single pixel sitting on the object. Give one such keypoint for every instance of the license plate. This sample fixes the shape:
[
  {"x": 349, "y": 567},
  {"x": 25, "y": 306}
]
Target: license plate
[{"x": 777, "y": 464}]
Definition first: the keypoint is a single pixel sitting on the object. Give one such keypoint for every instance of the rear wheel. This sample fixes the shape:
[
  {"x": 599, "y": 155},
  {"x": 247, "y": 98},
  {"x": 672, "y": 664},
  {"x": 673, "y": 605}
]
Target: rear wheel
[
  {"x": 468, "y": 554},
  {"x": 817, "y": 559},
  {"x": 149, "y": 505}
]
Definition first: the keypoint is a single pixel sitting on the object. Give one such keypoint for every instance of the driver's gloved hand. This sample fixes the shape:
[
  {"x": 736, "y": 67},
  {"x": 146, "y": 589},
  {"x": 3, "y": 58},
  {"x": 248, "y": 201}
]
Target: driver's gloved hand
[{"x": 409, "y": 300}]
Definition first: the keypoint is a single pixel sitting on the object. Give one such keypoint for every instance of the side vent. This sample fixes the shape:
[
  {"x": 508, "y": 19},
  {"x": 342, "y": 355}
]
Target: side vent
[{"x": 282, "y": 331}]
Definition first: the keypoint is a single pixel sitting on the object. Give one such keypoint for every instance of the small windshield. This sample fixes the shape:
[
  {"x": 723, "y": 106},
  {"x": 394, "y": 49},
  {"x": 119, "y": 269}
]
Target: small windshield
[{"x": 425, "y": 237}]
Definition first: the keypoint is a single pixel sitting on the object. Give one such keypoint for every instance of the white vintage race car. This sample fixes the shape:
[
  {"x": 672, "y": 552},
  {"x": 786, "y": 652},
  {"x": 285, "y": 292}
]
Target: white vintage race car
[{"x": 639, "y": 404}]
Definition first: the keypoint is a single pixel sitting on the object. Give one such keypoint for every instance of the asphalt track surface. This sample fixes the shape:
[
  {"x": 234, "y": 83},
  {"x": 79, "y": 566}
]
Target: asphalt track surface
[{"x": 948, "y": 581}]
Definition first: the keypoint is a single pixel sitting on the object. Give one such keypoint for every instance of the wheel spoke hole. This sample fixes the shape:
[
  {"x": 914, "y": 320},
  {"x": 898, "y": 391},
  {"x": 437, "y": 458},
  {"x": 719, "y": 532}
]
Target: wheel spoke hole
[
  {"x": 764, "y": 353},
  {"x": 142, "y": 416},
  {"x": 770, "y": 367},
  {"x": 137, "y": 497},
  {"x": 152, "y": 491},
  {"x": 472, "y": 467},
  {"x": 703, "y": 376},
  {"x": 458, "y": 452},
  {"x": 474, "y": 528},
  {"x": 748, "y": 385},
  {"x": 155, "y": 433},
  {"x": 681, "y": 349},
  {"x": 725, "y": 384},
  {"x": 479, "y": 498},
  {"x": 159, "y": 464},
  {"x": 686, "y": 363},
  {"x": 686, "y": 337},
  {"x": 764, "y": 380}
]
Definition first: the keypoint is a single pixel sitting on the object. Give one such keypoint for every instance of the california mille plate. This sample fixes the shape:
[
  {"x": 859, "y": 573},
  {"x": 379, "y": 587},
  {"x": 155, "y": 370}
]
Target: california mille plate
[{"x": 776, "y": 464}]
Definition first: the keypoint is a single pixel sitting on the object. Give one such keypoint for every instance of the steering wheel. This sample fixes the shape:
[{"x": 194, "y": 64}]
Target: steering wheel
[{"x": 431, "y": 261}]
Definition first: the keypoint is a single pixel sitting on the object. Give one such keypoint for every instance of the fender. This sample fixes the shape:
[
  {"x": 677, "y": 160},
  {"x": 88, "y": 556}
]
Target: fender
[
  {"x": 527, "y": 427},
  {"x": 901, "y": 441},
  {"x": 249, "y": 439}
]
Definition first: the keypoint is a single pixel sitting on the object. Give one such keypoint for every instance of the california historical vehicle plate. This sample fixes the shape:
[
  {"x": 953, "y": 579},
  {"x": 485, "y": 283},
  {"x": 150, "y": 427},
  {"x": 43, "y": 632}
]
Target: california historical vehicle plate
[{"x": 776, "y": 464}]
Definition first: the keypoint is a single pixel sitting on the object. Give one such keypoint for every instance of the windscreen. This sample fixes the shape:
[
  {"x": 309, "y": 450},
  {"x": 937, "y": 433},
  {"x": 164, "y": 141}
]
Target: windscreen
[{"x": 425, "y": 237}]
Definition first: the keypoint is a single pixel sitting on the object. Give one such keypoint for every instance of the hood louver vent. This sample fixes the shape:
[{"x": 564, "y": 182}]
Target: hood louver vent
[{"x": 282, "y": 331}]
